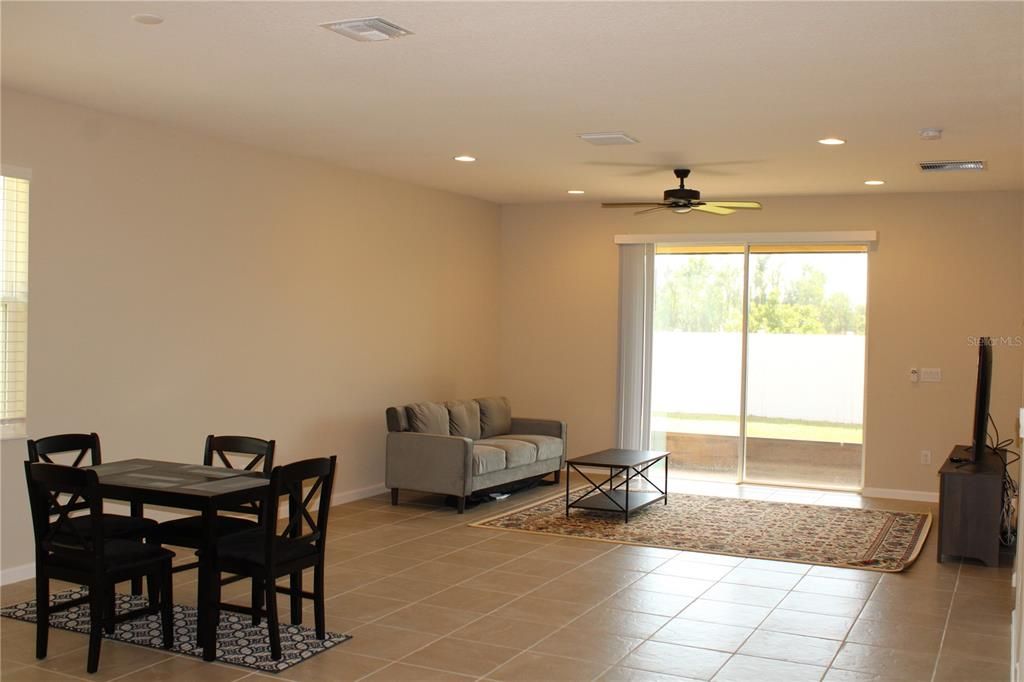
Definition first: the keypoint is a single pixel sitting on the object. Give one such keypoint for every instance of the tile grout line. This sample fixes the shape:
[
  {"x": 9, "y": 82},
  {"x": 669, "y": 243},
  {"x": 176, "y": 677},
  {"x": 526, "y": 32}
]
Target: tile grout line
[{"x": 945, "y": 626}]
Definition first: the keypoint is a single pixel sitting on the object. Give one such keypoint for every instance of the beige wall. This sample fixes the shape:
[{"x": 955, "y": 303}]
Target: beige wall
[
  {"x": 181, "y": 285},
  {"x": 947, "y": 266}
]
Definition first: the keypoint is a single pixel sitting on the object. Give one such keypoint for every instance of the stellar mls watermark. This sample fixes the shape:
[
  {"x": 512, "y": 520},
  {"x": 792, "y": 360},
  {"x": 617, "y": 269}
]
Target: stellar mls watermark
[{"x": 1011, "y": 341}]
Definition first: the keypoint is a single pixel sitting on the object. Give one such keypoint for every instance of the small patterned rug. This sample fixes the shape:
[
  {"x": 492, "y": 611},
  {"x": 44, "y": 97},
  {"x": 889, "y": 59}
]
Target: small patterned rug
[
  {"x": 804, "y": 533},
  {"x": 238, "y": 642}
]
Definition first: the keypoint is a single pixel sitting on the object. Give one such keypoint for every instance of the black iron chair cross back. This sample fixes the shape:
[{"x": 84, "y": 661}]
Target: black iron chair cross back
[
  {"x": 260, "y": 454},
  {"x": 78, "y": 444},
  {"x": 46, "y": 486}
]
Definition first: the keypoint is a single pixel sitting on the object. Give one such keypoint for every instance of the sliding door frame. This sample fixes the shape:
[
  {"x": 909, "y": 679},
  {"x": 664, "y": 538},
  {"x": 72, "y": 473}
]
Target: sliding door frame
[{"x": 865, "y": 238}]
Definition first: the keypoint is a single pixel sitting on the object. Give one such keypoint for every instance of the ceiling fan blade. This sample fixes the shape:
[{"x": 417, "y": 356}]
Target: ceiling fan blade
[
  {"x": 734, "y": 204},
  {"x": 652, "y": 210},
  {"x": 632, "y": 204},
  {"x": 717, "y": 210}
]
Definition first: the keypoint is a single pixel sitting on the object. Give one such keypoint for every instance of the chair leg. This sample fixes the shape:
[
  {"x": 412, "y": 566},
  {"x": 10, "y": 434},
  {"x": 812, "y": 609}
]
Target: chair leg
[
  {"x": 153, "y": 589},
  {"x": 295, "y": 597},
  {"x": 108, "y": 622},
  {"x": 167, "y": 604},
  {"x": 98, "y": 604},
  {"x": 394, "y": 497},
  {"x": 42, "y": 613},
  {"x": 461, "y": 505},
  {"x": 270, "y": 589},
  {"x": 257, "y": 601},
  {"x": 318, "y": 601}
]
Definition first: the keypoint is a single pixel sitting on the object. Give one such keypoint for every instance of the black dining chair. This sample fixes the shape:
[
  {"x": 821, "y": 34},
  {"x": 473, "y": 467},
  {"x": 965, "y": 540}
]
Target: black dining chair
[
  {"x": 64, "y": 552},
  {"x": 73, "y": 449},
  {"x": 232, "y": 452},
  {"x": 265, "y": 555}
]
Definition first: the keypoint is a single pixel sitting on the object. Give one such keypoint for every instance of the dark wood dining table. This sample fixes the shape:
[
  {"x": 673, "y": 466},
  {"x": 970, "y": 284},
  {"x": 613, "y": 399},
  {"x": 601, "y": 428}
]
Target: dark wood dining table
[{"x": 193, "y": 487}]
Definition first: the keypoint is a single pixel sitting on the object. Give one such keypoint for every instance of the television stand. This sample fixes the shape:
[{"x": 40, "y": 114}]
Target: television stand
[{"x": 970, "y": 506}]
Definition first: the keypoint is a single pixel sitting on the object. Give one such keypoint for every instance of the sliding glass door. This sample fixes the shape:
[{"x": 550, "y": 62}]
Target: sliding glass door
[
  {"x": 757, "y": 370},
  {"x": 697, "y": 357}
]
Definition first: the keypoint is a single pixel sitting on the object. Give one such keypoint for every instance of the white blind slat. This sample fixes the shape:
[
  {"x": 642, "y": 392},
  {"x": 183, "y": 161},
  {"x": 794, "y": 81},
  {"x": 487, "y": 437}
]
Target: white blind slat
[{"x": 14, "y": 202}]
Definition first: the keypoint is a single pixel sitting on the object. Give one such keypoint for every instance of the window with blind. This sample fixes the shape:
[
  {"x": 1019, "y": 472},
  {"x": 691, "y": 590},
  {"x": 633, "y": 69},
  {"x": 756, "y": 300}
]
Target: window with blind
[{"x": 13, "y": 304}]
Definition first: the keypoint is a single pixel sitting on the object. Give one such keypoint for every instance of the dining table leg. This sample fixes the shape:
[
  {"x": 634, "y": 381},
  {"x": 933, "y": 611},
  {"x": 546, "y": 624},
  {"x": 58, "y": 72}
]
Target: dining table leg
[
  {"x": 135, "y": 509},
  {"x": 206, "y": 628}
]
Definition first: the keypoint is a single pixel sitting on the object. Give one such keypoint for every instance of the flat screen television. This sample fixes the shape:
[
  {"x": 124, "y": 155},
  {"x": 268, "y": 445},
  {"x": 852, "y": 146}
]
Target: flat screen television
[{"x": 979, "y": 442}]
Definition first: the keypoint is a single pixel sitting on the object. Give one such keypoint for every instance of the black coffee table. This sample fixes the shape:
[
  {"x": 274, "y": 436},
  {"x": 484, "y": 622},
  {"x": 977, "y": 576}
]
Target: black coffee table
[{"x": 617, "y": 497}]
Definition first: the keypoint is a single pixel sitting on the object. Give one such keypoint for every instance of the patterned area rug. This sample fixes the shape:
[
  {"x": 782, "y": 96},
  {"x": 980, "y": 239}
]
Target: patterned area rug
[
  {"x": 804, "y": 533},
  {"x": 238, "y": 642}
]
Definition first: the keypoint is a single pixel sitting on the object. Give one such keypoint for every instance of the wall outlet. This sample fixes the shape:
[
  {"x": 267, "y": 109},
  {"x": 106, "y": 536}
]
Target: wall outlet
[{"x": 926, "y": 457}]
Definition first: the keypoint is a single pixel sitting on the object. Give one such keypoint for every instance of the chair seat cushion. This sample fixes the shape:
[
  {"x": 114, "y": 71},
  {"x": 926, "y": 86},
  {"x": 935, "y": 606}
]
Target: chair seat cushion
[
  {"x": 487, "y": 459},
  {"x": 119, "y": 554},
  {"x": 188, "y": 532},
  {"x": 517, "y": 452},
  {"x": 114, "y": 526},
  {"x": 548, "y": 447},
  {"x": 248, "y": 547}
]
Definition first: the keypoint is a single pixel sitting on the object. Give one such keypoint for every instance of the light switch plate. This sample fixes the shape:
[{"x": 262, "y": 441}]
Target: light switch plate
[{"x": 931, "y": 374}]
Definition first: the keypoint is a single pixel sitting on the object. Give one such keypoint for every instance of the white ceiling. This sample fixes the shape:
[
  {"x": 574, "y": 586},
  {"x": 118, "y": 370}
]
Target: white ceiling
[{"x": 738, "y": 91}]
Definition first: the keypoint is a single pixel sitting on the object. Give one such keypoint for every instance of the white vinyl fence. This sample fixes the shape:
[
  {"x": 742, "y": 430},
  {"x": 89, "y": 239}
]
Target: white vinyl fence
[{"x": 809, "y": 377}]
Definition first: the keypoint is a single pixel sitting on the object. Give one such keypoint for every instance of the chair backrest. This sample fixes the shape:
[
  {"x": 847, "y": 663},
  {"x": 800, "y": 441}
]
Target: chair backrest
[
  {"x": 308, "y": 509},
  {"x": 68, "y": 445},
  {"x": 70, "y": 449},
  {"x": 47, "y": 483},
  {"x": 259, "y": 453}
]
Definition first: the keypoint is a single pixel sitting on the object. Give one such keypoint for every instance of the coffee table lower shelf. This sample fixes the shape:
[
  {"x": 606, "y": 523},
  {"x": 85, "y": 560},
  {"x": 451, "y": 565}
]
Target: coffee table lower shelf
[{"x": 617, "y": 500}]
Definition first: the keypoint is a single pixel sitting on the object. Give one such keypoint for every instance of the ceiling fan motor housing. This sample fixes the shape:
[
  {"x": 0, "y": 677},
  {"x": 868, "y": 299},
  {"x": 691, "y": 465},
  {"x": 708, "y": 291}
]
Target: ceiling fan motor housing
[{"x": 682, "y": 194}]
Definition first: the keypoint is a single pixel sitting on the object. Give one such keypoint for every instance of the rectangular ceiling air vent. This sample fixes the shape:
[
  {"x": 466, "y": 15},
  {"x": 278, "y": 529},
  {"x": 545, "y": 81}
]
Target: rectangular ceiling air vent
[
  {"x": 370, "y": 29},
  {"x": 942, "y": 166},
  {"x": 608, "y": 138}
]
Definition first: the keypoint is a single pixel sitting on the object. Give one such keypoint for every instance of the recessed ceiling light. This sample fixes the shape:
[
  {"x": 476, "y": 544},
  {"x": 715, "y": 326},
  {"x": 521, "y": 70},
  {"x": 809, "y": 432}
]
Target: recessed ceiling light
[
  {"x": 575, "y": 191},
  {"x": 465, "y": 158},
  {"x": 832, "y": 140},
  {"x": 147, "y": 19},
  {"x": 874, "y": 182}
]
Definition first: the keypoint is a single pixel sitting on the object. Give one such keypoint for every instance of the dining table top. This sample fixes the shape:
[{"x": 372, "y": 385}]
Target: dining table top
[{"x": 194, "y": 480}]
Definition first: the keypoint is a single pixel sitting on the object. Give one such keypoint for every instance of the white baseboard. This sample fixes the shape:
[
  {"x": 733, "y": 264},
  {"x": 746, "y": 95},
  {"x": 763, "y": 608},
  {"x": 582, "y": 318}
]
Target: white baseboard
[
  {"x": 357, "y": 494},
  {"x": 896, "y": 494},
  {"x": 16, "y": 574}
]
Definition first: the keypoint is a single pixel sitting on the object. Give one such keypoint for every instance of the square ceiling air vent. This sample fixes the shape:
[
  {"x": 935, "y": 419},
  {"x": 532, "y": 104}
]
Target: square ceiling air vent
[
  {"x": 608, "y": 138},
  {"x": 942, "y": 166},
  {"x": 370, "y": 29}
]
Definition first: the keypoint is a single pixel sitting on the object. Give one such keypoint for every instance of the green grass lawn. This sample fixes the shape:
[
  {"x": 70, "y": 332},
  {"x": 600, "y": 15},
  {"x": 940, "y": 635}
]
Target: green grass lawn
[{"x": 758, "y": 427}]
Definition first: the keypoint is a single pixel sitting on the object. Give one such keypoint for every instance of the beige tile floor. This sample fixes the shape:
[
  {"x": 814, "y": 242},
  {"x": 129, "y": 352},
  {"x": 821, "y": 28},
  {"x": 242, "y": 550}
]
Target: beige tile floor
[{"x": 428, "y": 598}]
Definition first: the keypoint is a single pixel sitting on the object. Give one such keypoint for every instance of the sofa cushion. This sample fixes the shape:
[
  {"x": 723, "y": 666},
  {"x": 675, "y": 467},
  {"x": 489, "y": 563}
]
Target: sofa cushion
[
  {"x": 495, "y": 416},
  {"x": 517, "y": 452},
  {"x": 548, "y": 447},
  {"x": 428, "y": 418},
  {"x": 464, "y": 418},
  {"x": 487, "y": 459}
]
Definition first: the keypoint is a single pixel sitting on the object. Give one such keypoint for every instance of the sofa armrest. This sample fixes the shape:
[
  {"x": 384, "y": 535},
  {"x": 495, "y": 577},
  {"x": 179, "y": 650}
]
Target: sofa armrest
[
  {"x": 538, "y": 427},
  {"x": 429, "y": 462}
]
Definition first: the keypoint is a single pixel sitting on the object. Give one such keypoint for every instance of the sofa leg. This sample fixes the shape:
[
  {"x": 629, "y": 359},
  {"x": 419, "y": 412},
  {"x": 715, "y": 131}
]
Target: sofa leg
[
  {"x": 394, "y": 497},
  {"x": 461, "y": 505},
  {"x": 558, "y": 475}
]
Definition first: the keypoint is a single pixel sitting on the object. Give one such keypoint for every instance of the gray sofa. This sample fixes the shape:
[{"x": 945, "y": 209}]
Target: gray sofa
[{"x": 465, "y": 446}]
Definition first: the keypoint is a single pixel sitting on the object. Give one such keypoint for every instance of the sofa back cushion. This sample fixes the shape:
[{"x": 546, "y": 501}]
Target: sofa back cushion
[
  {"x": 495, "y": 416},
  {"x": 464, "y": 418},
  {"x": 428, "y": 418}
]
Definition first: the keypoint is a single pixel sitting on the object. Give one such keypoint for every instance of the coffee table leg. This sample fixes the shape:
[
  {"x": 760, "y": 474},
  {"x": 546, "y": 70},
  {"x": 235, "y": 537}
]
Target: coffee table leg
[
  {"x": 666, "y": 481},
  {"x": 629, "y": 472},
  {"x": 567, "y": 489}
]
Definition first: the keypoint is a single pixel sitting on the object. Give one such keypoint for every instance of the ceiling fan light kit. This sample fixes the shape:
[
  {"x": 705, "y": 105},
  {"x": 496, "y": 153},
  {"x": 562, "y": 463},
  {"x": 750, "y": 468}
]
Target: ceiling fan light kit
[{"x": 683, "y": 200}]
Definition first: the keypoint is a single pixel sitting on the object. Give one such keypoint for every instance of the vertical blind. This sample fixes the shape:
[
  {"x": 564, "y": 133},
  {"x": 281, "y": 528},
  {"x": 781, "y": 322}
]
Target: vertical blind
[{"x": 13, "y": 303}]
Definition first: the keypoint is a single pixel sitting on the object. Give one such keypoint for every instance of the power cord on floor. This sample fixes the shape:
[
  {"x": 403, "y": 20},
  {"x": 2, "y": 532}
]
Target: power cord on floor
[{"x": 1007, "y": 527}]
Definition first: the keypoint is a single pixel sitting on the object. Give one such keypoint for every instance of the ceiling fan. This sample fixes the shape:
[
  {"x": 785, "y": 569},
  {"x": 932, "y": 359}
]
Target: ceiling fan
[{"x": 684, "y": 200}]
